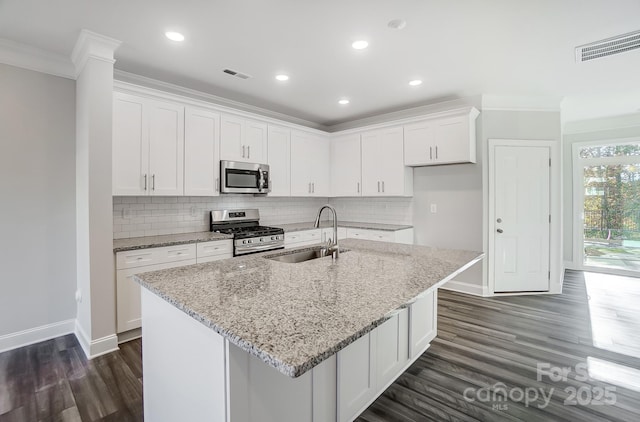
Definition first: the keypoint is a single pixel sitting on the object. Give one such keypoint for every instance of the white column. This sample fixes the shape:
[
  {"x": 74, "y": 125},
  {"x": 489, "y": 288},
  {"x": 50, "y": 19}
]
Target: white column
[{"x": 96, "y": 319}]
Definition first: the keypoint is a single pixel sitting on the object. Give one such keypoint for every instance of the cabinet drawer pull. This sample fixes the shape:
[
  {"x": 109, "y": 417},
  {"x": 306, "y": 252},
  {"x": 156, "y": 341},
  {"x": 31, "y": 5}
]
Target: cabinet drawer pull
[
  {"x": 436, "y": 152},
  {"x": 243, "y": 147},
  {"x": 249, "y": 152},
  {"x": 383, "y": 186}
]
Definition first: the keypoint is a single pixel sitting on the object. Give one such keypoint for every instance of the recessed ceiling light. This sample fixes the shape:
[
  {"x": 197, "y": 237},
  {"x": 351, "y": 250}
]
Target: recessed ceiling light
[
  {"x": 343, "y": 101},
  {"x": 174, "y": 36},
  {"x": 415, "y": 82},
  {"x": 360, "y": 44},
  {"x": 397, "y": 24},
  {"x": 282, "y": 78}
]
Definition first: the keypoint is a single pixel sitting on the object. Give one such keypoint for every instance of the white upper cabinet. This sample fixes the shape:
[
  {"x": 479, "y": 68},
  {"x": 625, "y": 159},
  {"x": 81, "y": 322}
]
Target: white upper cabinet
[
  {"x": 242, "y": 140},
  {"x": 279, "y": 153},
  {"x": 346, "y": 176},
  {"x": 130, "y": 145},
  {"x": 310, "y": 156},
  {"x": 166, "y": 149},
  {"x": 448, "y": 139},
  {"x": 148, "y": 146},
  {"x": 383, "y": 169},
  {"x": 201, "y": 146}
]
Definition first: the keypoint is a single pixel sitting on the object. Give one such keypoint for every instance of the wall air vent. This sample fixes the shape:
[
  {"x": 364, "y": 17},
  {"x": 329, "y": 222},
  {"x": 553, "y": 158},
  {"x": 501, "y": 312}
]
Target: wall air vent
[
  {"x": 236, "y": 74},
  {"x": 608, "y": 47}
]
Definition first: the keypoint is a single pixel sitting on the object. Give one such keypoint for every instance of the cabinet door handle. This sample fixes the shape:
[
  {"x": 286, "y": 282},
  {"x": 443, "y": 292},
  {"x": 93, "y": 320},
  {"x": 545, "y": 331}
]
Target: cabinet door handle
[
  {"x": 436, "y": 152},
  {"x": 430, "y": 153},
  {"x": 145, "y": 182},
  {"x": 358, "y": 187},
  {"x": 313, "y": 187},
  {"x": 243, "y": 151},
  {"x": 153, "y": 182},
  {"x": 249, "y": 151},
  {"x": 217, "y": 184},
  {"x": 309, "y": 187},
  {"x": 383, "y": 186},
  {"x": 378, "y": 187}
]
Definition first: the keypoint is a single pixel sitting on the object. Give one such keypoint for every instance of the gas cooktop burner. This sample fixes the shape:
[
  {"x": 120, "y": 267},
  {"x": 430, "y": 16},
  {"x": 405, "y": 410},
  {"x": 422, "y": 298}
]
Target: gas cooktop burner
[
  {"x": 244, "y": 224},
  {"x": 249, "y": 231}
]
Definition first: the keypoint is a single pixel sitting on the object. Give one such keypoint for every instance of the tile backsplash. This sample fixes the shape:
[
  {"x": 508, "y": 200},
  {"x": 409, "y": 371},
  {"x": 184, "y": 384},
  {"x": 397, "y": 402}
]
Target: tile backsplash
[
  {"x": 374, "y": 210},
  {"x": 135, "y": 216}
]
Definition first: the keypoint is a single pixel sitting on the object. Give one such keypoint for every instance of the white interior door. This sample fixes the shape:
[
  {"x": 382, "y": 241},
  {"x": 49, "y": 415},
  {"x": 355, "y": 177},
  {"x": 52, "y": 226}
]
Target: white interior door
[{"x": 519, "y": 177}]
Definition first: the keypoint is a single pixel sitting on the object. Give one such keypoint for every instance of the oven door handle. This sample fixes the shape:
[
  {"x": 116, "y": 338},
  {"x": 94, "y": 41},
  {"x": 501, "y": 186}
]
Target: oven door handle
[{"x": 262, "y": 247}]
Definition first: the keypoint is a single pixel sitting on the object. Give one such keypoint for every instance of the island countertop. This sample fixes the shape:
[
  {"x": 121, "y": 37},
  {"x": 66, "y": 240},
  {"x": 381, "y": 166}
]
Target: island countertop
[{"x": 294, "y": 316}]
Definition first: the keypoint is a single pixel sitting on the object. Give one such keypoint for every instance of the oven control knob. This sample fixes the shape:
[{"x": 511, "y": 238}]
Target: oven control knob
[
  {"x": 262, "y": 239},
  {"x": 249, "y": 241},
  {"x": 244, "y": 242}
]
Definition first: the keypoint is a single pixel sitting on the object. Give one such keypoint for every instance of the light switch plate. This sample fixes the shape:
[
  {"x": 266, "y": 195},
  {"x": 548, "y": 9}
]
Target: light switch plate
[{"x": 434, "y": 208}]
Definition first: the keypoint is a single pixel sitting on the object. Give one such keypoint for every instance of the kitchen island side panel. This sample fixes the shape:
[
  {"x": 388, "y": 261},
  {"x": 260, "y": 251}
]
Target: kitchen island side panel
[{"x": 183, "y": 365}]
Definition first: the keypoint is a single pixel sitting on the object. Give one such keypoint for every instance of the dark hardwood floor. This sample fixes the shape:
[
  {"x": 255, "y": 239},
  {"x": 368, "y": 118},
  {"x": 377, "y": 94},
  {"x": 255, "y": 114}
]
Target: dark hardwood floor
[
  {"x": 486, "y": 349},
  {"x": 497, "y": 344}
]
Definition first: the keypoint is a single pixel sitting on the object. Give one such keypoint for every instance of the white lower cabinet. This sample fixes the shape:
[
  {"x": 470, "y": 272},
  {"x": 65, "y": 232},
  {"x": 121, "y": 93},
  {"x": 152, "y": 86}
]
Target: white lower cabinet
[
  {"x": 392, "y": 348},
  {"x": 139, "y": 261},
  {"x": 214, "y": 251},
  {"x": 370, "y": 364},
  {"x": 356, "y": 376},
  {"x": 397, "y": 236},
  {"x": 302, "y": 238},
  {"x": 423, "y": 315}
]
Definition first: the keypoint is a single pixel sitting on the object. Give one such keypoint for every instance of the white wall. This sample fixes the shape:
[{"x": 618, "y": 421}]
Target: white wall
[
  {"x": 607, "y": 129},
  {"x": 37, "y": 181}
]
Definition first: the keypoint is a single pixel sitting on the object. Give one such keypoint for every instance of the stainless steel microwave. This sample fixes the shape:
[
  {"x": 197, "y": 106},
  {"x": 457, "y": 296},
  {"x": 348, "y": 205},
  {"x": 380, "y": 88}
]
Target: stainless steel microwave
[{"x": 237, "y": 177}]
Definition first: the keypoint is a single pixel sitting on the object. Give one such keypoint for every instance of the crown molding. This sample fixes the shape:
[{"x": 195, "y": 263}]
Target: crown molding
[
  {"x": 95, "y": 46},
  {"x": 405, "y": 115},
  {"x": 32, "y": 58},
  {"x": 126, "y": 80}
]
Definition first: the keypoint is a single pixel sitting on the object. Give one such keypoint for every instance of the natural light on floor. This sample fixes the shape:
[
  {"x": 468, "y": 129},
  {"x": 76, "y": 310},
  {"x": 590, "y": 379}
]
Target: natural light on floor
[{"x": 614, "y": 312}]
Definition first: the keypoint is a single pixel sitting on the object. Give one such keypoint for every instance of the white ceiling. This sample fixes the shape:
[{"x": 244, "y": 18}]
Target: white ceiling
[{"x": 459, "y": 48}]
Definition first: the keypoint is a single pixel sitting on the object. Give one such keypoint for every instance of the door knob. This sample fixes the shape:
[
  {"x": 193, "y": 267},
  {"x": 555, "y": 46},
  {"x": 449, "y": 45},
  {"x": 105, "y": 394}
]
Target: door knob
[{"x": 499, "y": 230}]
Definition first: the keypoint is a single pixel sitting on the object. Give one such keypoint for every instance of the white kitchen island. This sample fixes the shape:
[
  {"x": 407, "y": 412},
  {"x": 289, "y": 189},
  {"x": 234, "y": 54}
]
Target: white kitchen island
[{"x": 253, "y": 339}]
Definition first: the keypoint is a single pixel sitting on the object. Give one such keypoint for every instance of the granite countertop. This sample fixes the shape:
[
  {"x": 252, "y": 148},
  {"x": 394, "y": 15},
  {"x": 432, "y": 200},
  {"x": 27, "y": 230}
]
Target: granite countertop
[
  {"x": 120, "y": 245},
  {"x": 294, "y": 316},
  {"x": 294, "y": 227}
]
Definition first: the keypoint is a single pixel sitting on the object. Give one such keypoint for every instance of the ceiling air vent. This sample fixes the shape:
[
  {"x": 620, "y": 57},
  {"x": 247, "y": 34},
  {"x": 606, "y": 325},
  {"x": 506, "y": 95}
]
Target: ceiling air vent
[
  {"x": 608, "y": 47},
  {"x": 236, "y": 74}
]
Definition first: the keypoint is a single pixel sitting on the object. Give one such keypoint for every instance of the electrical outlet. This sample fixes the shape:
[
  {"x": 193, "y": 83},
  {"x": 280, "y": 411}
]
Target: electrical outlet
[
  {"x": 194, "y": 211},
  {"x": 126, "y": 213},
  {"x": 434, "y": 208}
]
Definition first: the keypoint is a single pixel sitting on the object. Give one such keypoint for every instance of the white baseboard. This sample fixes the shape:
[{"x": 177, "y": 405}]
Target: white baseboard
[
  {"x": 36, "y": 335},
  {"x": 129, "y": 335},
  {"x": 98, "y": 347},
  {"x": 463, "y": 287}
]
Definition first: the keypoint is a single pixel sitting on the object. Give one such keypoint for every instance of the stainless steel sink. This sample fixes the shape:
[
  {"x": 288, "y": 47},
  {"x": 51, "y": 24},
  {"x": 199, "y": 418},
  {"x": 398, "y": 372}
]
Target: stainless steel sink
[{"x": 302, "y": 256}]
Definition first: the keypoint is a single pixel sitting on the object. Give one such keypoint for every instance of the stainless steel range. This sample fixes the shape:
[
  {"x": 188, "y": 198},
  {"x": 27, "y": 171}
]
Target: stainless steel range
[{"x": 248, "y": 235}]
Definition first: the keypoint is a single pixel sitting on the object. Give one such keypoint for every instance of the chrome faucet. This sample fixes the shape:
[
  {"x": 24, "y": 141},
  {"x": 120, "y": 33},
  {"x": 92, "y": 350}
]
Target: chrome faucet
[{"x": 332, "y": 246}]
